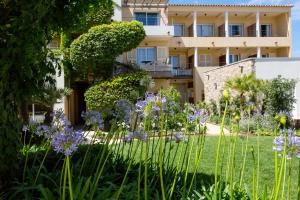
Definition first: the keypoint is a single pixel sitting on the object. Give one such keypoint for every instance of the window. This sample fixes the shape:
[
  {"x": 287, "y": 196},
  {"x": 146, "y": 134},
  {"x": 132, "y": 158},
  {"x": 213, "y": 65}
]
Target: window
[
  {"x": 235, "y": 30},
  {"x": 234, "y": 58},
  {"x": 147, "y": 19},
  {"x": 266, "y": 30},
  {"x": 205, "y": 60},
  {"x": 146, "y": 55},
  {"x": 178, "y": 30},
  {"x": 174, "y": 61},
  {"x": 205, "y": 30}
]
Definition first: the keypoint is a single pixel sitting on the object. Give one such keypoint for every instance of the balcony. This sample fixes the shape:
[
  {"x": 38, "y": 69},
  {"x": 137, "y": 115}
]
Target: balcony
[
  {"x": 154, "y": 26},
  {"x": 161, "y": 70},
  {"x": 211, "y": 42},
  {"x": 159, "y": 31}
]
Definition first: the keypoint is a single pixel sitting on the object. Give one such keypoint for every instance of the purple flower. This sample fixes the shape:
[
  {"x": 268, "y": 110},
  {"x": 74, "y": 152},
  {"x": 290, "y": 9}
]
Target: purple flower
[
  {"x": 43, "y": 130},
  {"x": 59, "y": 119},
  {"x": 136, "y": 135},
  {"x": 123, "y": 110},
  {"x": 92, "y": 118},
  {"x": 178, "y": 137},
  {"x": 292, "y": 143},
  {"x": 195, "y": 115},
  {"x": 67, "y": 141},
  {"x": 151, "y": 105}
]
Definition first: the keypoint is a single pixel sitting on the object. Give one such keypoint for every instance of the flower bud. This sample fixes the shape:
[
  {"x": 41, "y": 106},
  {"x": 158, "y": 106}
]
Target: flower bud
[
  {"x": 237, "y": 118},
  {"x": 226, "y": 94},
  {"x": 283, "y": 120}
]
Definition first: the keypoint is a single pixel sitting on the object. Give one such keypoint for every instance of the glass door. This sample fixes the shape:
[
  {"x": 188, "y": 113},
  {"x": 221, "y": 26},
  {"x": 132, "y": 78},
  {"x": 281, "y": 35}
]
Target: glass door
[
  {"x": 174, "y": 61},
  {"x": 266, "y": 30}
]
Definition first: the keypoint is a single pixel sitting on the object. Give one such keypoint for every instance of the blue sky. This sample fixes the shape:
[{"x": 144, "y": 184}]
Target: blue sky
[{"x": 295, "y": 14}]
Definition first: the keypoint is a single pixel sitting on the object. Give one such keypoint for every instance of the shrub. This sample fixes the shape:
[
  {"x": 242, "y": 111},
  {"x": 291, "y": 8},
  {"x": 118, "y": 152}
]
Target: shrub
[
  {"x": 279, "y": 96},
  {"x": 100, "y": 46},
  {"x": 128, "y": 87}
]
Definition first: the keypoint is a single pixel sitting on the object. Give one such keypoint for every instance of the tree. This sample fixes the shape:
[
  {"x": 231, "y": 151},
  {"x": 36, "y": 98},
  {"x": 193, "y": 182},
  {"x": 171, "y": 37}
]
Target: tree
[
  {"x": 97, "y": 49},
  {"x": 26, "y": 27},
  {"x": 279, "y": 96},
  {"x": 246, "y": 87}
]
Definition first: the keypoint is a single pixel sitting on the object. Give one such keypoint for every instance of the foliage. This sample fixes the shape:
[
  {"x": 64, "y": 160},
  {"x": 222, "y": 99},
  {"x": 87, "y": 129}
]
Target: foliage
[
  {"x": 247, "y": 88},
  {"x": 97, "y": 49},
  {"x": 279, "y": 96},
  {"x": 26, "y": 27},
  {"x": 102, "y": 97}
]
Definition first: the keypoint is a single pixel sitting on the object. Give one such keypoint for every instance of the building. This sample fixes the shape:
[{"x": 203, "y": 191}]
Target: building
[
  {"x": 196, "y": 47},
  {"x": 185, "y": 40}
]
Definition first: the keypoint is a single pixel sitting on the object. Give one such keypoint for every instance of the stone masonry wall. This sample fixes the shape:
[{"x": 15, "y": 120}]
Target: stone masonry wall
[{"x": 215, "y": 79}]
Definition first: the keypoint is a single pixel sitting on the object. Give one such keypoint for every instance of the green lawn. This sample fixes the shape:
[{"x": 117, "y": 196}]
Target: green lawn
[{"x": 207, "y": 165}]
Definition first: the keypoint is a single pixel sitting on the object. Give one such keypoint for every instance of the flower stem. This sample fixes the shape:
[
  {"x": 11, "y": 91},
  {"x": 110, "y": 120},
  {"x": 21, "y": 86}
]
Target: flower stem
[
  {"x": 69, "y": 177},
  {"x": 117, "y": 195},
  {"x": 42, "y": 163},
  {"x": 218, "y": 153}
]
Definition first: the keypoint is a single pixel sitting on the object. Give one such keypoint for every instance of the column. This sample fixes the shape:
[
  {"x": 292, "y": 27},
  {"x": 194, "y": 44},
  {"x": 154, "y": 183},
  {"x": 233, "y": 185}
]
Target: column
[
  {"x": 257, "y": 25},
  {"x": 226, "y": 24},
  {"x": 258, "y": 52},
  {"x": 227, "y": 56},
  {"x": 195, "y": 24},
  {"x": 195, "y": 56}
]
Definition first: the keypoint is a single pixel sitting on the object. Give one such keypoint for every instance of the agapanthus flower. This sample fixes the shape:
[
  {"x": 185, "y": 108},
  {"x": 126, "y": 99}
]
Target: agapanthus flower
[
  {"x": 200, "y": 115},
  {"x": 122, "y": 111},
  {"x": 178, "y": 137},
  {"x": 67, "y": 141},
  {"x": 60, "y": 120},
  {"x": 151, "y": 105},
  {"x": 43, "y": 130},
  {"x": 136, "y": 135},
  {"x": 92, "y": 118},
  {"x": 292, "y": 142}
]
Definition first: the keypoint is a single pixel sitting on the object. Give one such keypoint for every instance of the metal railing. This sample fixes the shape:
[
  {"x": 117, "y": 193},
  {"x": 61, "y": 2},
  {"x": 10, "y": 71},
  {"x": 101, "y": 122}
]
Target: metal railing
[
  {"x": 147, "y": 21},
  {"x": 165, "y": 69}
]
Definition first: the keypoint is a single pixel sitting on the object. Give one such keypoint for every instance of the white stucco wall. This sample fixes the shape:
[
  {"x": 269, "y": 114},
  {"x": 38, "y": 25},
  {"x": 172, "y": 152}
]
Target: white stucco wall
[
  {"x": 269, "y": 68},
  {"x": 117, "y": 10},
  {"x": 60, "y": 84}
]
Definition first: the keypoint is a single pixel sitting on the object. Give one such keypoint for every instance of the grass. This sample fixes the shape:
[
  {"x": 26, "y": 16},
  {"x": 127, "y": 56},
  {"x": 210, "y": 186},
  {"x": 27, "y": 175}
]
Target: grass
[{"x": 207, "y": 164}]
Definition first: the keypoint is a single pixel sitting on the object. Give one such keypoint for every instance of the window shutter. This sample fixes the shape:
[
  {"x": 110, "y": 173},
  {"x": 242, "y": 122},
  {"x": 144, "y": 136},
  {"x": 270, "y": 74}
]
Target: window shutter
[
  {"x": 131, "y": 56},
  {"x": 162, "y": 55}
]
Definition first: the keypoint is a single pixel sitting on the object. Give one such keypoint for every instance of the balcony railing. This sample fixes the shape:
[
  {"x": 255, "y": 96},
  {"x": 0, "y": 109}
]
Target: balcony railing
[{"x": 165, "y": 70}]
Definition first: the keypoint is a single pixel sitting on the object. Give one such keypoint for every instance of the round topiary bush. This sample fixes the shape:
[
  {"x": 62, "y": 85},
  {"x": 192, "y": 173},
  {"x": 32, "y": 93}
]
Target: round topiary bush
[{"x": 102, "y": 97}]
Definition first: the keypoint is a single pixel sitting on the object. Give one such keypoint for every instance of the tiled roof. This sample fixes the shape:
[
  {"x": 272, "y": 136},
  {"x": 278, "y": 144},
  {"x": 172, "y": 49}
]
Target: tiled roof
[{"x": 175, "y": 3}]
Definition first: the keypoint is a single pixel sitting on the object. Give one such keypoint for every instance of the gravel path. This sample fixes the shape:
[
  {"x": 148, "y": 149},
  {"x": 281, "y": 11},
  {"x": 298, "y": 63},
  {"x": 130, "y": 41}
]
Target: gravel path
[{"x": 213, "y": 129}]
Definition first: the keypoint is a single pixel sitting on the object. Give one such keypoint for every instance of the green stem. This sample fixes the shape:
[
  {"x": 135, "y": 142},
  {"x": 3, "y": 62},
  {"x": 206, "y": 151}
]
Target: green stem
[
  {"x": 117, "y": 195},
  {"x": 197, "y": 162},
  {"x": 140, "y": 172},
  {"x": 26, "y": 158},
  {"x": 69, "y": 178},
  {"x": 161, "y": 166},
  {"x": 218, "y": 153},
  {"x": 233, "y": 162},
  {"x": 65, "y": 180},
  {"x": 282, "y": 166},
  {"x": 41, "y": 165}
]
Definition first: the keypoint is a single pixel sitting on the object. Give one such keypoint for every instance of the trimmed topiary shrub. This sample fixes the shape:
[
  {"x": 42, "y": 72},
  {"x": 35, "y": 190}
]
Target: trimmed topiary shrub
[
  {"x": 99, "y": 47},
  {"x": 102, "y": 97}
]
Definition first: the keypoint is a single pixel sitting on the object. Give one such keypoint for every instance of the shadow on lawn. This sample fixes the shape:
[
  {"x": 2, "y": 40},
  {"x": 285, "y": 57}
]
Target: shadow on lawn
[{"x": 113, "y": 173}]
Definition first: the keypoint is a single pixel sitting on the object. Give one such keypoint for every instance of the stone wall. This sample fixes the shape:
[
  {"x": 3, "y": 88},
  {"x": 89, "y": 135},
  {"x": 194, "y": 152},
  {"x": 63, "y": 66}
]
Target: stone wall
[{"x": 215, "y": 79}]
